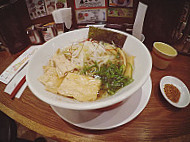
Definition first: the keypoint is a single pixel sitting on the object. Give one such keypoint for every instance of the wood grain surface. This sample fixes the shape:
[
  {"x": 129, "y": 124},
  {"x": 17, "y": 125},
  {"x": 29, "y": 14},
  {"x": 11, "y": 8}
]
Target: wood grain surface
[{"x": 159, "y": 121}]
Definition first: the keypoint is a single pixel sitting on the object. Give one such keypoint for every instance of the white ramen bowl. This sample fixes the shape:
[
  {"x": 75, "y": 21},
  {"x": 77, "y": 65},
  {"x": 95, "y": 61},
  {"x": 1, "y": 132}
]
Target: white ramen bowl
[{"x": 132, "y": 46}]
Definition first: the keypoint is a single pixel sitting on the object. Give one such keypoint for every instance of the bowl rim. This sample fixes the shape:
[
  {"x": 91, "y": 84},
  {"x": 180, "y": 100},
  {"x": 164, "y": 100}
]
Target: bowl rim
[{"x": 95, "y": 104}]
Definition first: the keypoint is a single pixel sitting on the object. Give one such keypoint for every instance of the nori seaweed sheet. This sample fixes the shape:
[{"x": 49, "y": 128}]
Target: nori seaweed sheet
[{"x": 106, "y": 36}]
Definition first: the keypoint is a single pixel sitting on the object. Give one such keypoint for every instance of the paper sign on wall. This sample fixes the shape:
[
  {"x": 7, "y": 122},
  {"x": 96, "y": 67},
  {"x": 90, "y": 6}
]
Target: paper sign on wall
[
  {"x": 52, "y": 5},
  {"x": 90, "y": 15},
  {"x": 90, "y": 11},
  {"x": 79, "y": 4},
  {"x": 120, "y": 12}
]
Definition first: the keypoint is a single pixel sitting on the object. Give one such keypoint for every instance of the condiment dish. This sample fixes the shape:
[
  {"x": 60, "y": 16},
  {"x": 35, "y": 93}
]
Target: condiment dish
[{"x": 184, "y": 99}]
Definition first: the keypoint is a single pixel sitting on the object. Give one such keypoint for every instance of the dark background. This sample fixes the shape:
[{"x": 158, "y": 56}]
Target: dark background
[{"x": 162, "y": 18}]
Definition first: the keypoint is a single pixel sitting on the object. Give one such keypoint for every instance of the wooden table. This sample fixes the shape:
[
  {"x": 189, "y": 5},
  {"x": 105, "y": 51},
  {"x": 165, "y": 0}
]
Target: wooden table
[{"x": 158, "y": 121}]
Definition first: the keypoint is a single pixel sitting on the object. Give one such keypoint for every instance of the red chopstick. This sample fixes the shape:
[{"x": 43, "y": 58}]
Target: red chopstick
[{"x": 17, "y": 88}]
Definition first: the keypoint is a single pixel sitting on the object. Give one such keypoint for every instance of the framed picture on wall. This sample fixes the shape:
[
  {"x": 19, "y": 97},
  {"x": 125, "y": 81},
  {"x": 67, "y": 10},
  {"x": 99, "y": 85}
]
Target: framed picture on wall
[
  {"x": 120, "y": 3},
  {"x": 90, "y": 11},
  {"x": 81, "y": 4},
  {"x": 120, "y": 12},
  {"x": 91, "y": 15}
]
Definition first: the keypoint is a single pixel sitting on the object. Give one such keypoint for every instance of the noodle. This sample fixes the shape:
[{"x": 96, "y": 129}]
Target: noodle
[{"x": 104, "y": 62}]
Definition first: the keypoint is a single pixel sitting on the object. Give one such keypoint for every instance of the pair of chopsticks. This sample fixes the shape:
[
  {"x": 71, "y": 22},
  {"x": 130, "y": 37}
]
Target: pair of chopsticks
[{"x": 17, "y": 88}]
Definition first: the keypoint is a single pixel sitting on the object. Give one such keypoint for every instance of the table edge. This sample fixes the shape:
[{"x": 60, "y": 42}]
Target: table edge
[{"x": 41, "y": 129}]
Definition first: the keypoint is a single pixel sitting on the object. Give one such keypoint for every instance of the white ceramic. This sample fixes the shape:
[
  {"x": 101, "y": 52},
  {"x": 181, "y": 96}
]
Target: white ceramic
[
  {"x": 184, "y": 96},
  {"x": 101, "y": 120},
  {"x": 132, "y": 46},
  {"x": 142, "y": 38}
]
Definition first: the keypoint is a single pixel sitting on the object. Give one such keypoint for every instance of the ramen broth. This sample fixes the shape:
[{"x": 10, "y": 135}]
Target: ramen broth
[{"x": 94, "y": 69}]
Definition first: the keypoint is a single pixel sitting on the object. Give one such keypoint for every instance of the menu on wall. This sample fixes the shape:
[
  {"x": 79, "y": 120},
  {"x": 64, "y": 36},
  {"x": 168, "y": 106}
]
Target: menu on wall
[
  {"x": 52, "y": 5},
  {"x": 120, "y": 12},
  {"x": 40, "y": 8},
  {"x": 89, "y": 3},
  {"x": 120, "y": 8},
  {"x": 121, "y": 3},
  {"x": 90, "y": 11},
  {"x": 90, "y": 15},
  {"x": 36, "y": 8}
]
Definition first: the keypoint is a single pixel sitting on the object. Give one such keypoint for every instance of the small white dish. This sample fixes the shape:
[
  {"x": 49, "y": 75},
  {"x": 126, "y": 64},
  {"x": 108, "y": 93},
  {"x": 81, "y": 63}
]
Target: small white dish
[
  {"x": 112, "y": 118},
  {"x": 184, "y": 99}
]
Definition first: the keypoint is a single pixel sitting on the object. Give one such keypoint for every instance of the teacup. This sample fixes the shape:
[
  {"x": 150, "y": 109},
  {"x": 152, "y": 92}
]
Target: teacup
[{"x": 162, "y": 54}]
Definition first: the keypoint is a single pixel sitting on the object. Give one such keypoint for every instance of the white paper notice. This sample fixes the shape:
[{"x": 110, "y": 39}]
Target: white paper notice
[
  {"x": 139, "y": 20},
  {"x": 17, "y": 65},
  {"x": 14, "y": 82}
]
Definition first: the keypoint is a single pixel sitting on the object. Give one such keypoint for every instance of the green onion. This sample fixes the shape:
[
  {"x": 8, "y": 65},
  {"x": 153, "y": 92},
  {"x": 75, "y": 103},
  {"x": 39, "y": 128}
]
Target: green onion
[{"x": 111, "y": 75}]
